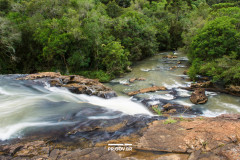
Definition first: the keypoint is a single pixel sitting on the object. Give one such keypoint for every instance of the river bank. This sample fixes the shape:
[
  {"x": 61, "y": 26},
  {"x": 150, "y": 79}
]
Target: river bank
[{"x": 50, "y": 116}]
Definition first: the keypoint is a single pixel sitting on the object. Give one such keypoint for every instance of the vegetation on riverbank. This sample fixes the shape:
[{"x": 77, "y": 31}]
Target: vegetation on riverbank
[{"x": 102, "y": 38}]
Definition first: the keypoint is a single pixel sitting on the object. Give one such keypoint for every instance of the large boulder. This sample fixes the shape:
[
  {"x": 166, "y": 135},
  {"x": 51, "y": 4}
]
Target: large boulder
[
  {"x": 74, "y": 83},
  {"x": 198, "y": 96}
]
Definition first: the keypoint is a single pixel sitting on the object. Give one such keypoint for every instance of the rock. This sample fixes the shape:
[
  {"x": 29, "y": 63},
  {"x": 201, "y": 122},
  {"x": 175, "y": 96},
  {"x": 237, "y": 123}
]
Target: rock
[
  {"x": 199, "y": 138},
  {"x": 213, "y": 87},
  {"x": 229, "y": 116},
  {"x": 173, "y": 67},
  {"x": 166, "y": 106},
  {"x": 150, "y": 89},
  {"x": 41, "y": 75},
  {"x": 141, "y": 79},
  {"x": 136, "y": 79},
  {"x": 129, "y": 69},
  {"x": 170, "y": 56},
  {"x": 198, "y": 96},
  {"x": 233, "y": 89},
  {"x": 185, "y": 72},
  {"x": 75, "y": 83},
  {"x": 207, "y": 84},
  {"x": 179, "y": 62},
  {"x": 204, "y": 138},
  {"x": 132, "y": 80},
  {"x": 179, "y": 109}
]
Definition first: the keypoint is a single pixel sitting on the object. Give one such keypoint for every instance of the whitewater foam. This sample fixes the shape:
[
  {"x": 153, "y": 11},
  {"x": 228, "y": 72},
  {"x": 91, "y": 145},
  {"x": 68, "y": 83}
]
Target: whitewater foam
[{"x": 15, "y": 130}]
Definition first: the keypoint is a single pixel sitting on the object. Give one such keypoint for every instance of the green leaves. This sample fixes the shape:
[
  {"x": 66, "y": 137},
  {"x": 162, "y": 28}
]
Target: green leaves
[
  {"x": 137, "y": 35},
  {"x": 113, "y": 58},
  {"x": 215, "y": 50}
]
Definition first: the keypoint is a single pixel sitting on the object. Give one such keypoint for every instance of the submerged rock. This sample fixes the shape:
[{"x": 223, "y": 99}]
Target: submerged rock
[
  {"x": 198, "y": 96},
  {"x": 74, "y": 83},
  {"x": 150, "y": 89}
]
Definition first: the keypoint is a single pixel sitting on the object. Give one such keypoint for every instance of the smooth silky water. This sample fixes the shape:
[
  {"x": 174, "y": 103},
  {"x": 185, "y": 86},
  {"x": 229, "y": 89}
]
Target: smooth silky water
[
  {"x": 27, "y": 106},
  {"x": 30, "y": 106}
]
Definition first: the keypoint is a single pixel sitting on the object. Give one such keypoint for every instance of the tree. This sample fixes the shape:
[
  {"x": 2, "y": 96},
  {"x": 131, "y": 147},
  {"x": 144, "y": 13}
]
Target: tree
[
  {"x": 218, "y": 37},
  {"x": 137, "y": 34},
  {"x": 10, "y": 36},
  {"x": 113, "y": 58}
]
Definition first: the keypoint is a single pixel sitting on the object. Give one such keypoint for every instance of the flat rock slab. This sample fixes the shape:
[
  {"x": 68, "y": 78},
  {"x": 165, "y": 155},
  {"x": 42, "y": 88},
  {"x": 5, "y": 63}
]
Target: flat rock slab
[
  {"x": 145, "y": 90},
  {"x": 208, "y": 135}
]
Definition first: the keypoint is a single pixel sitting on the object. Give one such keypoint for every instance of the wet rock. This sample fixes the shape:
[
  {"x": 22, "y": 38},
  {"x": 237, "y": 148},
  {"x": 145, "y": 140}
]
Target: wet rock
[
  {"x": 207, "y": 84},
  {"x": 136, "y": 79},
  {"x": 170, "y": 56},
  {"x": 198, "y": 96},
  {"x": 179, "y": 109},
  {"x": 233, "y": 89},
  {"x": 150, "y": 89},
  {"x": 132, "y": 80},
  {"x": 41, "y": 75},
  {"x": 74, "y": 83},
  {"x": 187, "y": 138},
  {"x": 174, "y": 67}
]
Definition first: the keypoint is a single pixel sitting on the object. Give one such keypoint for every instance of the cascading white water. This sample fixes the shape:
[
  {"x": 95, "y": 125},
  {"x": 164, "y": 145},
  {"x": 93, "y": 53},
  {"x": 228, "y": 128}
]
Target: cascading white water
[
  {"x": 28, "y": 106},
  {"x": 24, "y": 106}
]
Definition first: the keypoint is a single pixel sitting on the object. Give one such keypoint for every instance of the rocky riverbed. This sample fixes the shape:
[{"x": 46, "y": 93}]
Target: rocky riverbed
[
  {"x": 159, "y": 114},
  {"x": 198, "y": 138}
]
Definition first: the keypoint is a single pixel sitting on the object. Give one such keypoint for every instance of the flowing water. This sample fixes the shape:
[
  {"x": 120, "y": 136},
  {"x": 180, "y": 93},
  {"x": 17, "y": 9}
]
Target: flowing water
[
  {"x": 157, "y": 71},
  {"x": 27, "y": 106}
]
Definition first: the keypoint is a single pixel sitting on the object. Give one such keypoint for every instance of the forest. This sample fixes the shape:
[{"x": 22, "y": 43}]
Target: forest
[{"x": 103, "y": 38}]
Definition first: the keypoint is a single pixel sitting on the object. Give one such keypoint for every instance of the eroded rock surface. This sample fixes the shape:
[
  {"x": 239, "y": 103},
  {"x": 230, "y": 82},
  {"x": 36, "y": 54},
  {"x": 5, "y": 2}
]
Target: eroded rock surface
[
  {"x": 201, "y": 137},
  {"x": 74, "y": 83},
  {"x": 198, "y": 138},
  {"x": 145, "y": 90}
]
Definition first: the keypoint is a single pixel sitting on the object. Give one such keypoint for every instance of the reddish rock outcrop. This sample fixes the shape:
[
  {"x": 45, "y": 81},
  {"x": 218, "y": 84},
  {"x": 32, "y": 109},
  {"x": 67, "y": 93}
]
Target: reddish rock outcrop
[
  {"x": 198, "y": 96},
  {"x": 145, "y": 90},
  {"x": 75, "y": 83},
  {"x": 136, "y": 79},
  {"x": 198, "y": 138}
]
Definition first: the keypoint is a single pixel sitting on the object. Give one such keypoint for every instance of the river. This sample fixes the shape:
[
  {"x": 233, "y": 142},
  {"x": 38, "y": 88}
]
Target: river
[{"x": 33, "y": 107}]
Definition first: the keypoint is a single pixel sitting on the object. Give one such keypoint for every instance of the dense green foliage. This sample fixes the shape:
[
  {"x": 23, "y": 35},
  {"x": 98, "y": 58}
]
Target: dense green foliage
[
  {"x": 102, "y": 38},
  {"x": 215, "y": 47}
]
